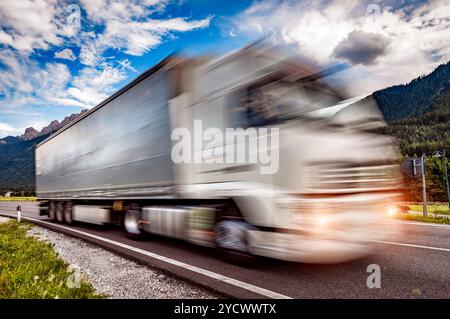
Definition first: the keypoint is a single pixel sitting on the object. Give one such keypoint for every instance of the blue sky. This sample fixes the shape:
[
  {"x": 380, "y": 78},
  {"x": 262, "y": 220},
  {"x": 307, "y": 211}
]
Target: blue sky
[{"x": 58, "y": 57}]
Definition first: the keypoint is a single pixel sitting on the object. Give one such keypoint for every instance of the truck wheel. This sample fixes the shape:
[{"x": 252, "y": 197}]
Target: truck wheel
[
  {"x": 68, "y": 217},
  {"x": 60, "y": 212},
  {"x": 52, "y": 211},
  {"x": 132, "y": 225},
  {"x": 231, "y": 239}
]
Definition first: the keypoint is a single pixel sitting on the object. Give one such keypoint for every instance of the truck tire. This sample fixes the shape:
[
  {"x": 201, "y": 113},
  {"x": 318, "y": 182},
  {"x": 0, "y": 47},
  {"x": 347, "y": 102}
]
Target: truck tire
[
  {"x": 52, "y": 211},
  {"x": 131, "y": 222},
  {"x": 59, "y": 213},
  {"x": 68, "y": 213},
  {"x": 231, "y": 239}
]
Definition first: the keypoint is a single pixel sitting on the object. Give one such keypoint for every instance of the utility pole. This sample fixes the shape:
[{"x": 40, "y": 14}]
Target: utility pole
[{"x": 424, "y": 187}]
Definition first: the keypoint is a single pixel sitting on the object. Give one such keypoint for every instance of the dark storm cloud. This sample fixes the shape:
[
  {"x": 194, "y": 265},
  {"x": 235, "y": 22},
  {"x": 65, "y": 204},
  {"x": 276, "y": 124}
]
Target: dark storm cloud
[{"x": 361, "y": 47}]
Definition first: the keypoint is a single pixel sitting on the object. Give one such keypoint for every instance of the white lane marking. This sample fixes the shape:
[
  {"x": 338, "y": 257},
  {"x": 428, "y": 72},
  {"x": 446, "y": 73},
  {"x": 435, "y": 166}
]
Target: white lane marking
[
  {"x": 231, "y": 281},
  {"x": 424, "y": 224},
  {"x": 411, "y": 245}
]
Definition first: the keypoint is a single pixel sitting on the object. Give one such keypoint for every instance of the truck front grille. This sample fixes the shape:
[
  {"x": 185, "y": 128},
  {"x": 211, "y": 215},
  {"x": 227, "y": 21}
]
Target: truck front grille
[{"x": 353, "y": 178}]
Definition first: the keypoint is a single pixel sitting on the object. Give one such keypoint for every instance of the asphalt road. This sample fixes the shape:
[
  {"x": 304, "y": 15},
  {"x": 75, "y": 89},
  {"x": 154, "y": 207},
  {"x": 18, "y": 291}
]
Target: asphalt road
[{"x": 415, "y": 266}]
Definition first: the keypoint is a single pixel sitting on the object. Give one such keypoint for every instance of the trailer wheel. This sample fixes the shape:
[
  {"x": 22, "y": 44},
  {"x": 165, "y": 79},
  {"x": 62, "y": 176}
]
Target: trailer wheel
[
  {"x": 52, "y": 211},
  {"x": 68, "y": 217},
  {"x": 60, "y": 212},
  {"x": 132, "y": 225},
  {"x": 232, "y": 240}
]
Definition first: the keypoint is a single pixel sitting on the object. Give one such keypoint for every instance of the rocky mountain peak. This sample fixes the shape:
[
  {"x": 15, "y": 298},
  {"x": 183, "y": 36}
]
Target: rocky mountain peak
[
  {"x": 29, "y": 134},
  {"x": 52, "y": 127}
]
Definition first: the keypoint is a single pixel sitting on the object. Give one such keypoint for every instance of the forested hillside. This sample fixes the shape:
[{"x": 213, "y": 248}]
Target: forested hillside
[
  {"x": 418, "y": 114},
  {"x": 415, "y": 98},
  {"x": 425, "y": 133},
  {"x": 17, "y": 166}
]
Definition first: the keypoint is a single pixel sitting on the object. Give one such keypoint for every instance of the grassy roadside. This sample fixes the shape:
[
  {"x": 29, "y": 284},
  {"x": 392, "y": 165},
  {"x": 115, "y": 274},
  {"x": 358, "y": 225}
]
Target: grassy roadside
[
  {"x": 442, "y": 209},
  {"x": 428, "y": 219},
  {"x": 17, "y": 199},
  {"x": 30, "y": 268}
]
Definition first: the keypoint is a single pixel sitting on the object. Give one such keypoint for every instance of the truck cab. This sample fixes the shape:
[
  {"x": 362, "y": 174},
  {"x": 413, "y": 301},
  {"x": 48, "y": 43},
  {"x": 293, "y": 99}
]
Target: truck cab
[{"x": 325, "y": 199}]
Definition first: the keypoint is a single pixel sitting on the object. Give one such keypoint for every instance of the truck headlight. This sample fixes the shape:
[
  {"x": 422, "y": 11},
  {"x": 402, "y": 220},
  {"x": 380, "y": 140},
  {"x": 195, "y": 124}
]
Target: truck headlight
[
  {"x": 323, "y": 221},
  {"x": 392, "y": 210}
]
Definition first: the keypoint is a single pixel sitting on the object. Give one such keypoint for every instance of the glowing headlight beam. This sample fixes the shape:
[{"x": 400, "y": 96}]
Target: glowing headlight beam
[{"x": 392, "y": 211}]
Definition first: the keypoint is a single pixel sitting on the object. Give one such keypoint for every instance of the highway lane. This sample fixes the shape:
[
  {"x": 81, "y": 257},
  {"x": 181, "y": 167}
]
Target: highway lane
[{"x": 406, "y": 272}]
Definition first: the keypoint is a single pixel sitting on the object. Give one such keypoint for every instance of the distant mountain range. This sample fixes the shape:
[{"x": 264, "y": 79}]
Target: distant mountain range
[
  {"x": 31, "y": 133},
  {"x": 418, "y": 114}
]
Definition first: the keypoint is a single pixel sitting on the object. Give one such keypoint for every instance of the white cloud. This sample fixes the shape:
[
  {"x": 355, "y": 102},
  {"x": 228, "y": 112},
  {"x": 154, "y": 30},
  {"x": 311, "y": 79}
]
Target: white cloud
[
  {"x": 66, "y": 54},
  {"x": 18, "y": 78},
  {"x": 87, "y": 96},
  {"x": 5, "y": 38},
  {"x": 7, "y": 129},
  {"x": 128, "y": 27},
  {"x": 93, "y": 85},
  {"x": 419, "y": 38},
  {"x": 89, "y": 55},
  {"x": 32, "y": 24},
  {"x": 125, "y": 64},
  {"x": 25, "y": 82},
  {"x": 100, "y": 11}
]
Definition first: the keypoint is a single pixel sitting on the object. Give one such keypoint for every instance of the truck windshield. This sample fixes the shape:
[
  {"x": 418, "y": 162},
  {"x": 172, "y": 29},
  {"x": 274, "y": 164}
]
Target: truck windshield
[{"x": 281, "y": 100}]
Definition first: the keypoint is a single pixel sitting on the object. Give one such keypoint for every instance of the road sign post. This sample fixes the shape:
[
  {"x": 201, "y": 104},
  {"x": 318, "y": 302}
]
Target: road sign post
[{"x": 415, "y": 167}]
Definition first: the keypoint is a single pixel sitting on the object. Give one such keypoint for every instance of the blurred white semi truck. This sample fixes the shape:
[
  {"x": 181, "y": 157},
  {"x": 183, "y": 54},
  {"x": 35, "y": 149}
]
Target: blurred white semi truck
[{"x": 312, "y": 185}]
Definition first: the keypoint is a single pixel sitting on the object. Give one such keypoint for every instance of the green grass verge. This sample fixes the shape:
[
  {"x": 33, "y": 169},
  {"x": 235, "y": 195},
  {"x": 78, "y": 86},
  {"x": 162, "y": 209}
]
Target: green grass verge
[
  {"x": 30, "y": 268},
  {"x": 17, "y": 199},
  {"x": 428, "y": 219},
  {"x": 436, "y": 209}
]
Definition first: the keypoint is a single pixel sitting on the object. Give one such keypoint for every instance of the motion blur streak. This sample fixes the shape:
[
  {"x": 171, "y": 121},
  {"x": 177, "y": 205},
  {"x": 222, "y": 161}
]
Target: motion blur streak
[{"x": 325, "y": 201}]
